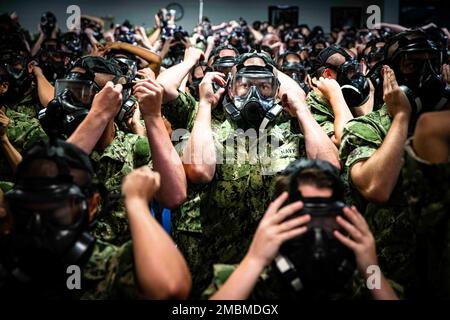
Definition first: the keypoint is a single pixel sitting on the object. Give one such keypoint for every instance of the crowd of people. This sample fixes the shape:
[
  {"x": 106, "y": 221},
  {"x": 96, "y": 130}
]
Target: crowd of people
[{"x": 297, "y": 164}]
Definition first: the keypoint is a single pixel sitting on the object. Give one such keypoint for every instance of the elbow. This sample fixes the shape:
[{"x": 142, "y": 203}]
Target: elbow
[
  {"x": 176, "y": 199},
  {"x": 172, "y": 289},
  {"x": 198, "y": 174},
  {"x": 376, "y": 193}
]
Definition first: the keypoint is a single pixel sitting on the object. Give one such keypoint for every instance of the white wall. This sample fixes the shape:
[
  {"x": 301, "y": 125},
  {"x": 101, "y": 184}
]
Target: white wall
[{"x": 141, "y": 12}]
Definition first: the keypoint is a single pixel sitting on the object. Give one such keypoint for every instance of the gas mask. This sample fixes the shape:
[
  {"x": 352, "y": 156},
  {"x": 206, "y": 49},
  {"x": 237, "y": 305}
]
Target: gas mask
[
  {"x": 194, "y": 82},
  {"x": 316, "y": 261},
  {"x": 52, "y": 62},
  {"x": 423, "y": 83},
  {"x": 128, "y": 68},
  {"x": 354, "y": 84},
  {"x": 48, "y": 23},
  {"x": 73, "y": 99},
  {"x": 16, "y": 67},
  {"x": 295, "y": 70},
  {"x": 50, "y": 214},
  {"x": 253, "y": 93},
  {"x": 425, "y": 90}
]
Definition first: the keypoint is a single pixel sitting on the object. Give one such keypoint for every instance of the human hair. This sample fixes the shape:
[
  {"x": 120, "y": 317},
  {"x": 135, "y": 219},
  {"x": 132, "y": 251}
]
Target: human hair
[{"x": 308, "y": 177}]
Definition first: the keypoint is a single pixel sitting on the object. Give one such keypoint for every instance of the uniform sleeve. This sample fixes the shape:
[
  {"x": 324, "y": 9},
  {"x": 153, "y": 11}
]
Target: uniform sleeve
[
  {"x": 321, "y": 112},
  {"x": 109, "y": 274},
  {"x": 24, "y": 131},
  {"x": 221, "y": 274},
  {"x": 181, "y": 112}
]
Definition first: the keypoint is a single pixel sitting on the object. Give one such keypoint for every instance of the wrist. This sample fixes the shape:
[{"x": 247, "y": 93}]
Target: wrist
[
  {"x": 254, "y": 263},
  {"x": 4, "y": 138},
  {"x": 135, "y": 202}
]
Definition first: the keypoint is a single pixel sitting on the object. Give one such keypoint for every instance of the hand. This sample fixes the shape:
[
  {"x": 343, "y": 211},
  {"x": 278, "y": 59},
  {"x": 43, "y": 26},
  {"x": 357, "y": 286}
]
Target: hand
[
  {"x": 446, "y": 74},
  {"x": 54, "y": 34},
  {"x": 133, "y": 122},
  {"x": 4, "y": 122},
  {"x": 206, "y": 90},
  {"x": 361, "y": 240},
  {"x": 113, "y": 46},
  {"x": 146, "y": 73},
  {"x": 98, "y": 50},
  {"x": 274, "y": 229},
  {"x": 157, "y": 22},
  {"x": 396, "y": 100},
  {"x": 34, "y": 68},
  {"x": 193, "y": 55},
  {"x": 149, "y": 94},
  {"x": 107, "y": 102},
  {"x": 291, "y": 101},
  {"x": 329, "y": 88},
  {"x": 141, "y": 184},
  {"x": 186, "y": 42}
]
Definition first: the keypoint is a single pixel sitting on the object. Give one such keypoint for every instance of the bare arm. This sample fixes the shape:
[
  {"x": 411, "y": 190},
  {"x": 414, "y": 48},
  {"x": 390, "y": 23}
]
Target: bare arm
[
  {"x": 171, "y": 78},
  {"x": 376, "y": 177},
  {"x": 318, "y": 144},
  {"x": 331, "y": 90},
  {"x": 46, "y": 92},
  {"x": 164, "y": 156},
  {"x": 199, "y": 156},
  {"x": 362, "y": 243},
  {"x": 161, "y": 270},
  {"x": 104, "y": 108},
  {"x": 272, "y": 231}
]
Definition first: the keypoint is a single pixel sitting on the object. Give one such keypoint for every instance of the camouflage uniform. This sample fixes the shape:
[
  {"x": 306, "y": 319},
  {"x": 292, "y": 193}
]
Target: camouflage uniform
[
  {"x": 390, "y": 222},
  {"x": 229, "y": 208},
  {"x": 22, "y": 132},
  {"x": 28, "y": 105},
  {"x": 125, "y": 153},
  {"x": 321, "y": 111},
  {"x": 271, "y": 286},
  {"x": 109, "y": 273},
  {"x": 427, "y": 188}
]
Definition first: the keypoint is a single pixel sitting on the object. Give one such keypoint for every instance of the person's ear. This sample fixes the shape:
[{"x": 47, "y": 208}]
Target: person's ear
[
  {"x": 329, "y": 74},
  {"x": 4, "y": 86},
  {"x": 93, "y": 204}
]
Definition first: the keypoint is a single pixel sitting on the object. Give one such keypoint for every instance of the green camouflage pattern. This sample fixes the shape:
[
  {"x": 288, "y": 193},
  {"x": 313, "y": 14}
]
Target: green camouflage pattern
[
  {"x": 28, "y": 105},
  {"x": 427, "y": 189},
  {"x": 181, "y": 112},
  {"x": 127, "y": 152},
  {"x": 22, "y": 131},
  {"x": 321, "y": 111},
  {"x": 109, "y": 273},
  {"x": 390, "y": 222},
  {"x": 271, "y": 286}
]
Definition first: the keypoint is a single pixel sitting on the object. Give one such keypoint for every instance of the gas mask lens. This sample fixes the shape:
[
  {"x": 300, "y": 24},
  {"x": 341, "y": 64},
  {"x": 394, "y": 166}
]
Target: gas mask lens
[
  {"x": 81, "y": 91},
  {"x": 266, "y": 85}
]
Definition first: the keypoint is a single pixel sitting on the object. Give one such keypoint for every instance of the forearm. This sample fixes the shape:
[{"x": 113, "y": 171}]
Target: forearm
[
  {"x": 171, "y": 79},
  {"x": 161, "y": 270},
  {"x": 151, "y": 57},
  {"x": 11, "y": 154},
  {"x": 209, "y": 50},
  {"x": 199, "y": 157},
  {"x": 376, "y": 177},
  {"x": 167, "y": 162},
  {"x": 241, "y": 282},
  {"x": 318, "y": 145},
  {"x": 385, "y": 292},
  {"x": 37, "y": 45},
  {"x": 342, "y": 115},
  {"x": 46, "y": 92},
  {"x": 154, "y": 36},
  {"x": 89, "y": 132}
]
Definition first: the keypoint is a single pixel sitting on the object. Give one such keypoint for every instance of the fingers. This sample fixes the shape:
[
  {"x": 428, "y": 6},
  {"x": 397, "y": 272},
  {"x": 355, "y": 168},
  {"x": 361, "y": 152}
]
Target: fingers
[
  {"x": 346, "y": 241},
  {"x": 294, "y": 223},
  {"x": 276, "y": 204},
  {"x": 288, "y": 235},
  {"x": 287, "y": 211},
  {"x": 356, "y": 218},
  {"x": 350, "y": 228},
  {"x": 217, "y": 77},
  {"x": 386, "y": 82}
]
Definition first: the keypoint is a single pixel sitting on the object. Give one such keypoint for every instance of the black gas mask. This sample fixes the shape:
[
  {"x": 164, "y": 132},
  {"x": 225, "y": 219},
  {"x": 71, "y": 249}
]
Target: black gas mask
[
  {"x": 48, "y": 23},
  {"x": 295, "y": 70},
  {"x": 52, "y": 61},
  {"x": 316, "y": 261},
  {"x": 50, "y": 214},
  {"x": 253, "y": 94},
  {"x": 16, "y": 67},
  {"x": 73, "y": 99},
  {"x": 194, "y": 82},
  {"x": 354, "y": 84},
  {"x": 423, "y": 86}
]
